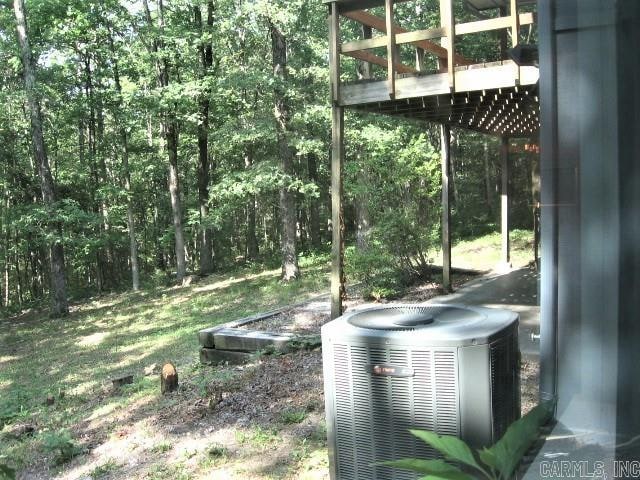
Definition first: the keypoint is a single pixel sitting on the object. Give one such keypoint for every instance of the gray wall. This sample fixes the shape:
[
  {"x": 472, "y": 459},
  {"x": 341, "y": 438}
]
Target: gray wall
[{"x": 590, "y": 209}]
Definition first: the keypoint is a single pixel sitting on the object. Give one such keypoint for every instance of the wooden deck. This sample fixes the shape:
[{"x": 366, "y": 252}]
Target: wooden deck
[
  {"x": 498, "y": 98},
  {"x": 487, "y": 99}
]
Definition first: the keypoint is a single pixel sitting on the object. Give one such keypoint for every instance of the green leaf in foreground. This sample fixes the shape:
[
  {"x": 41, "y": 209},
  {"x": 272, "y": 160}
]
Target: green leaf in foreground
[
  {"x": 507, "y": 452},
  {"x": 451, "y": 447},
  {"x": 434, "y": 469}
]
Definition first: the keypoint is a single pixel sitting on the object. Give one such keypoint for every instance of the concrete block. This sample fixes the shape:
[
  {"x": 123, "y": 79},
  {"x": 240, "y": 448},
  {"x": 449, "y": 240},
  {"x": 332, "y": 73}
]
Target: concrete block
[
  {"x": 250, "y": 340},
  {"x": 206, "y": 335},
  {"x": 213, "y": 356}
]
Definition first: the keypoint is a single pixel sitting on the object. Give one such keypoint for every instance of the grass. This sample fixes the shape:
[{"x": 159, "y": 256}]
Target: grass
[
  {"x": 293, "y": 416},
  {"x": 73, "y": 360},
  {"x": 483, "y": 253}
]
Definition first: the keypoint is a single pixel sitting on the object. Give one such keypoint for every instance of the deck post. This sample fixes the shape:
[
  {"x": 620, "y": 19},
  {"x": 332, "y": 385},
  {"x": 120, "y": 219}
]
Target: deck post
[
  {"x": 337, "y": 158},
  {"x": 445, "y": 162},
  {"x": 515, "y": 32},
  {"x": 364, "y": 70},
  {"x": 447, "y": 22},
  {"x": 503, "y": 37},
  {"x": 505, "y": 258},
  {"x": 392, "y": 51}
]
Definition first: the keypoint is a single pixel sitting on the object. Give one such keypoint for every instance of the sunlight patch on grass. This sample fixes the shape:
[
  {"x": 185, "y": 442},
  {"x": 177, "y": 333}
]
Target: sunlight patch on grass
[
  {"x": 93, "y": 339},
  {"x": 103, "y": 411},
  {"x": 7, "y": 358},
  {"x": 234, "y": 281}
]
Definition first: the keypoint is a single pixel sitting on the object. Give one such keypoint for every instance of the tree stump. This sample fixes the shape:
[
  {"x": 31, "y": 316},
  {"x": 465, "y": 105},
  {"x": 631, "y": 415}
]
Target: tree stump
[{"x": 168, "y": 378}]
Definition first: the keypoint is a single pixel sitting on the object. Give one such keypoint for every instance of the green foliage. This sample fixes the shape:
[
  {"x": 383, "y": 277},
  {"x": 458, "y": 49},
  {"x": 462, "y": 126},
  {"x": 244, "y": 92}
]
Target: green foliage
[
  {"x": 6, "y": 472},
  {"x": 376, "y": 269},
  {"x": 292, "y": 416},
  {"x": 162, "y": 447},
  {"x": 216, "y": 450},
  {"x": 498, "y": 462},
  {"x": 61, "y": 444},
  {"x": 103, "y": 469},
  {"x": 13, "y": 408}
]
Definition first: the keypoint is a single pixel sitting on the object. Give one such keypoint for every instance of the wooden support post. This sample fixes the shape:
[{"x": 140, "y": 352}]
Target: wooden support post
[
  {"x": 503, "y": 37},
  {"x": 420, "y": 59},
  {"x": 448, "y": 23},
  {"x": 445, "y": 160},
  {"x": 504, "y": 209},
  {"x": 392, "y": 52},
  {"x": 337, "y": 158},
  {"x": 515, "y": 32},
  {"x": 365, "y": 67},
  {"x": 334, "y": 52},
  {"x": 337, "y": 215}
]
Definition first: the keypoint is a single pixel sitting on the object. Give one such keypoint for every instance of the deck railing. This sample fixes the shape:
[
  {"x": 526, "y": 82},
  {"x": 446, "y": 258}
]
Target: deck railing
[{"x": 423, "y": 40}]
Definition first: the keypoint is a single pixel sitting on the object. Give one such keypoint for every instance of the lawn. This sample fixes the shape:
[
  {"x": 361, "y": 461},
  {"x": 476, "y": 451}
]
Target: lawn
[
  {"x": 55, "y": 374},
  {"x": 61, "y": 418}
]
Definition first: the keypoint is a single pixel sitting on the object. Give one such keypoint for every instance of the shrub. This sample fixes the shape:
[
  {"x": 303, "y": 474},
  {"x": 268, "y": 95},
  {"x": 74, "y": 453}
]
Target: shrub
[{"x": 62, "y": 445}]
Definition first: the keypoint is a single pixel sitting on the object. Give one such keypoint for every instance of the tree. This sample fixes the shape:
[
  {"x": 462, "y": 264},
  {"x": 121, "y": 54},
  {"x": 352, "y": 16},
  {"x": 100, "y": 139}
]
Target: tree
[
  {"x": 205, "y": 51},
  {"x": 59, "y": 305},
  {"x": 290, "y": 270},
  {"x": 170, "y": 134}
]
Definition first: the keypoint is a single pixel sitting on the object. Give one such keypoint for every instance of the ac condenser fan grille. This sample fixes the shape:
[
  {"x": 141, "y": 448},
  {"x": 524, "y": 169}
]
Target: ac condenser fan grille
[{"x": 409, "y": 318}]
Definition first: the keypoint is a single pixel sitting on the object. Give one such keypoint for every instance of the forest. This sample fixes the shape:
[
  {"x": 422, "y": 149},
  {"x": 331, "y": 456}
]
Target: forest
[{"x": 142, "y": 143}]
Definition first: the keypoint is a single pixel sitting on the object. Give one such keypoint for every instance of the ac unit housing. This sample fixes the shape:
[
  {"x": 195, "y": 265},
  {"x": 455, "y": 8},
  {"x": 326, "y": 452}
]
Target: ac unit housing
[{"x": 450, "y": 369}]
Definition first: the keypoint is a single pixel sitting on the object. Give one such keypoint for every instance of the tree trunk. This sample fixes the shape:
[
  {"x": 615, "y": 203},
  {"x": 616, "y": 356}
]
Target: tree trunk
[
  {"x": 314, "y": 203},
  {"x": 97, "y": 204},
  {"x": 206, "y": 62},
  {"x": 363, "y": 220},
  {"x": 252, "y": 239},
  {"x": 290, "y": 270},
  {"x": 487, "y": 181},
  {"x": 169, "y": 132},
  {"x": 454, "y": 161},
  {"x": 126, "y": 171},
  {"x": 60, "y": 305},
  {"x": 171, "y": 141}
]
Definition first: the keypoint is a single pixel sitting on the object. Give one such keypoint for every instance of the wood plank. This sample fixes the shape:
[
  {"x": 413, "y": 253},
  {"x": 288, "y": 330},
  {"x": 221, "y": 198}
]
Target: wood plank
[
  {"x": 419, "y": 35},
  {"x": 380, "y": 24},
  {"x": 401, "y": 38},
  {"x": 364, "y": 44},
  {"x": 515, "y": 31},
  {"x": 345, "y": 6},
  {"x": 487, "y": 78},
  {"x": 435, "y": 33},
  {"x": 365, "y": 67},
  {"x": 515, "y": 23},
  {"x": 448, "y": 23},
  {"x": 492, "y": 24},
  {"x": 334, "y": 52},
  {"x": 420, "y": 66},
  {"x": 392, "y": 53},
  {"x": 381, "y": 61}
]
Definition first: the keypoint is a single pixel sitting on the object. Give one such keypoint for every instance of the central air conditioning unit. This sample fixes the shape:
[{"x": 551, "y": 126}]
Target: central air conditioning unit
[{"x": 450, "y": 369}]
